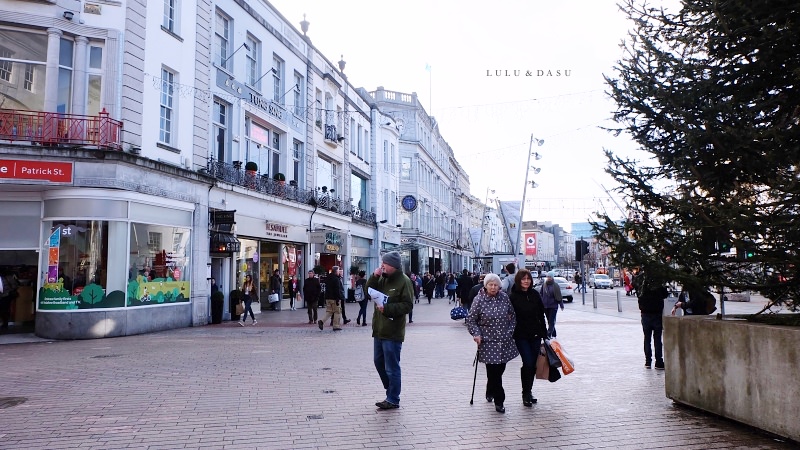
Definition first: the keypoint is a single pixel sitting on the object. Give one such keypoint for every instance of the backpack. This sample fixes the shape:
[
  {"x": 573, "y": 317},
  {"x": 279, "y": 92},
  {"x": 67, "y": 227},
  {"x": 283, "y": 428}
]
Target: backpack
[{"x": 359, "y": 293}]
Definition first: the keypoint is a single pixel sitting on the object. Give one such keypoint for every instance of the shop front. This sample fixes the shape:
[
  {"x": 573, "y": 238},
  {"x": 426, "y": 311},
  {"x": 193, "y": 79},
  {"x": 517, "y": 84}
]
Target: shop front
[
  {"x": 271, "y": 253},
  {"x": 113, "y": 264}
]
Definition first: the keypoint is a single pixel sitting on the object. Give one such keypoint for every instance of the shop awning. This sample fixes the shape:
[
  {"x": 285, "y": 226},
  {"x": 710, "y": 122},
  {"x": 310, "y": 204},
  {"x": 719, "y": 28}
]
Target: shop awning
[{"x": 224, "y": 243}]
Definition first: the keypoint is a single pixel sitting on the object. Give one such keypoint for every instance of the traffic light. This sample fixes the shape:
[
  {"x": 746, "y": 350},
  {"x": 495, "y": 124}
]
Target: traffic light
[
  {"x": 581, "y": 249},
  {"x": 745, "y": 251}
]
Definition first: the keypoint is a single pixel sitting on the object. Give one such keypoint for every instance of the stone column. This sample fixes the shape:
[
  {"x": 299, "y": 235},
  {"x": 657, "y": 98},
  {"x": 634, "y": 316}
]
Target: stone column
[
  {"x": 51, "y": 72},
  {"x": 79, "y": 76}
]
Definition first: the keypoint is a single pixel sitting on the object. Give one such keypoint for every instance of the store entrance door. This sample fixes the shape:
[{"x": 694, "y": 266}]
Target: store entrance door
[{"x": 18, "y": 303}]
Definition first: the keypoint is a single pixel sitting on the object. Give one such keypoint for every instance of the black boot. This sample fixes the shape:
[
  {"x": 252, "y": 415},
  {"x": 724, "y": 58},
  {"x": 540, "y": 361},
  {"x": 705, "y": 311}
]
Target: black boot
[{"x": 527, "y": 374}]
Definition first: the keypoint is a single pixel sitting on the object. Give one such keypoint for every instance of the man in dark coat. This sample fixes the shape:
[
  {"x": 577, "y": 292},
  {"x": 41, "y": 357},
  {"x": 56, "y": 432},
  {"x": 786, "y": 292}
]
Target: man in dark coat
[
  {"x": 651, "y": 294},
  {"x": 334, "y": 298},
  {"x": 464, "y": 285},
  {"x": 311, "y": 290}
]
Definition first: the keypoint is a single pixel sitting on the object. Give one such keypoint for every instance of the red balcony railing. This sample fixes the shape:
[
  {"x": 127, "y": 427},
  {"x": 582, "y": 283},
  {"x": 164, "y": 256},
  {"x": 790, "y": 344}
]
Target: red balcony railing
[{"x": 54, "y": 129}]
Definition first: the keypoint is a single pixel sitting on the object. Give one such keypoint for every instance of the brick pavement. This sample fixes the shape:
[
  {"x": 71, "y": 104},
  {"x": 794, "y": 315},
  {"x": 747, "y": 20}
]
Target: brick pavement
[{"x": 283, "y": 384}]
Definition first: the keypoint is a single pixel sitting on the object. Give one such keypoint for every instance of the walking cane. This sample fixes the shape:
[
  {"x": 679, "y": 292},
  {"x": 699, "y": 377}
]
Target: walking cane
[{"x": 474, "y": 377}]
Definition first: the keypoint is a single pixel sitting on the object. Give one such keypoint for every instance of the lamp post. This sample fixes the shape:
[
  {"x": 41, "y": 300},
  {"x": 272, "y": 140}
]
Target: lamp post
[
  {"x": 483, "y": 223},
  {"x": 528, "y": 167}
]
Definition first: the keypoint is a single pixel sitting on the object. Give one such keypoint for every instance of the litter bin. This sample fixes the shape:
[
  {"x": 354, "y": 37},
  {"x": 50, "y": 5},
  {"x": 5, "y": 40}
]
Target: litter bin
[{"x": 217, "y": 305}]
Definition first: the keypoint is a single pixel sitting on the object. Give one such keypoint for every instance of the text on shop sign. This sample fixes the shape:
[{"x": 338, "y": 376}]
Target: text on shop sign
[{"x": 54, "y": 171}]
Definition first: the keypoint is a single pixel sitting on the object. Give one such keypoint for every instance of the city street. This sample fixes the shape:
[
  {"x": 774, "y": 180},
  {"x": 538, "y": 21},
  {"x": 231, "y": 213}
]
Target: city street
[{"x": 284, "y": 384}]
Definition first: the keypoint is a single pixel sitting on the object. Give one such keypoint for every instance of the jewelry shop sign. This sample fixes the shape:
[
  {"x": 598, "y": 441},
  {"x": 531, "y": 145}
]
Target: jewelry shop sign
[{"x": 277, "y": 230}]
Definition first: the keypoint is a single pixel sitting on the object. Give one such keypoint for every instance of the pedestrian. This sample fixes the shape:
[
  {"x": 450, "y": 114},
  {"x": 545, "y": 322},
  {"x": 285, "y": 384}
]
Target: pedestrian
[
  {"x": 248, "y": 292},
  {"x": 428, "y": 286},
  {"x": 311, "y": 290},
  {"x": 294, "y": 290},
  {"x": 389, "y": 324},
  {"x": 464, "y": 285},
  {"x": 651, "y": 294},
  {"x": 551, "y": 298},
  {"x": 415, "y": 284},
  {"x": 360, "y": 295},
  {"x": 578, "y": 281},
  {"x": 275, "y": 287},
  {"x": 530, "y": 330},
  {"x": 695, "y": 301},
  {"x": 8, "y": 292},
  {"x": 473, "y": 292},
  {"x": 441, "y": 281},
  {"x": 334, "y": 298},
  {"x": 508, "y": 281},
  {"x": 491, "y": 322},
  {"x": 214, "y": 287},
  {"x": 452, "y": 286}
]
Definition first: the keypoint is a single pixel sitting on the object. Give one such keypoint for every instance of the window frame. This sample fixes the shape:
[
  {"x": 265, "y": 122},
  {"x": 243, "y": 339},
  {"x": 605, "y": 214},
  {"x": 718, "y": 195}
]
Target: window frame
[{"x": 166, "y": 125}]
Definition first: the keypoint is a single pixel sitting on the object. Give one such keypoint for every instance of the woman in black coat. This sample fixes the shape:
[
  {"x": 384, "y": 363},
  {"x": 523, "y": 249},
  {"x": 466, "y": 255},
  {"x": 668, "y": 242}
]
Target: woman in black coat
[{"x": 530, "y": 329}]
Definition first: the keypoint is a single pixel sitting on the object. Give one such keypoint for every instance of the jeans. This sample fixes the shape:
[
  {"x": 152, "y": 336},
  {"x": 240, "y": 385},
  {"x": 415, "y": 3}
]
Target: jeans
[
  {"x": 451, "y": 294},
  {"x": 550, "y": 313},
  {"x": 312, "y": 310},
  {"x": 652, "y": 327},
  {"x": 494, "y": 382},
  {"x": 528, "y": 351},
  {"x": 248, "y": 301},
  {"x": 362, "y": 311},
  {"x": 386, "y": 355}
]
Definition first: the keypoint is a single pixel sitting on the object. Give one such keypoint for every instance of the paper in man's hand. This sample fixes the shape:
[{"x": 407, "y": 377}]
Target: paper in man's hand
[{"x": 377, "y": 296}]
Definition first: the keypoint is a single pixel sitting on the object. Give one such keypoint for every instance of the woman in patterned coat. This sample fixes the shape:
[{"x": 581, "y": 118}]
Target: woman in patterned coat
[{"x": 491, "y": 323}]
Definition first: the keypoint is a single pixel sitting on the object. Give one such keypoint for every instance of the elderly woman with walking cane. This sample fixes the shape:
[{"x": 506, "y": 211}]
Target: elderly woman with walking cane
[{"x": 491, "y": 322}]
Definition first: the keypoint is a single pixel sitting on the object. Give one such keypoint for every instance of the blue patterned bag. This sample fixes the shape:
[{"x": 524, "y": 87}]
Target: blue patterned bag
[{"x": 458, "y": 313}]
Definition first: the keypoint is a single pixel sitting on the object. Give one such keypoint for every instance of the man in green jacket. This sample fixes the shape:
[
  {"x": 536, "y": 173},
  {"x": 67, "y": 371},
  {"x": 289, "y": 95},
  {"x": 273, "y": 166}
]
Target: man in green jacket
[{"x": 389, "y": 324}]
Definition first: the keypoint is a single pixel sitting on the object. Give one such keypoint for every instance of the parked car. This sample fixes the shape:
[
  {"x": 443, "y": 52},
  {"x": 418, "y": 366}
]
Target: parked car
[
  {"x": 567, "y": 288},
  {"x": 600, "y": 281}
]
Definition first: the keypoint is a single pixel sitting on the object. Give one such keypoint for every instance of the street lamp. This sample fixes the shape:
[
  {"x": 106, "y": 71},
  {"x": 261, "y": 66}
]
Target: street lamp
[
  {"x": 483, "y": 221},
  {"x": 533, "y": 184}
]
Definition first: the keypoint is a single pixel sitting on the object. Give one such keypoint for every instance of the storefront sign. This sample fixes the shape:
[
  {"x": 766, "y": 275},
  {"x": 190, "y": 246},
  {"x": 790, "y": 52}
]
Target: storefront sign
[
  {"x": 332, "y": 248},
  {"x": 277, "y": 230},
  {"x": 269, "y": 106},
  {"x": 52, "y": 171}
]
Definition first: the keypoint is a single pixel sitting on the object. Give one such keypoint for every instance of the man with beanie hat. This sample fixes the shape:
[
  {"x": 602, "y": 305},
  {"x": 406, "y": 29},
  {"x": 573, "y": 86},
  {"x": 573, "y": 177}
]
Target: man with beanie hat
[{"x": 389, "y": 324}]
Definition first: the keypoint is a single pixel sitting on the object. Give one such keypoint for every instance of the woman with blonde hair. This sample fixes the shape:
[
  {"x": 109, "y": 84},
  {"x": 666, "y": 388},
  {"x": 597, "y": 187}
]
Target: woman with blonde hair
[{"x": 491, "y": 322}]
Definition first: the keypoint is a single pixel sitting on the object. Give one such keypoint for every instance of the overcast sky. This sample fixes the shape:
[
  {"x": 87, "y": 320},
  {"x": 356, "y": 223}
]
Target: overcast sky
[{"x": 488, "y": 119}]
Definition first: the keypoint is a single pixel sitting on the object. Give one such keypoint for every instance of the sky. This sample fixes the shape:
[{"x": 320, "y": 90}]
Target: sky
[{"x": 493, "y": 84}]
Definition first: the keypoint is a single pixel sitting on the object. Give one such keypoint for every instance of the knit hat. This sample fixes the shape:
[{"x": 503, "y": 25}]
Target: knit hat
[{"x": 392, "y": 259}]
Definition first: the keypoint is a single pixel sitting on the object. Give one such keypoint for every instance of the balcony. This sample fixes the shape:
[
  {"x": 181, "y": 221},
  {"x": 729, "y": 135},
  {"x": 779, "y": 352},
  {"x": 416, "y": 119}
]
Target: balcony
[
  {"x": 56, "y": 129},
  {"x": 235, "y": 174}
]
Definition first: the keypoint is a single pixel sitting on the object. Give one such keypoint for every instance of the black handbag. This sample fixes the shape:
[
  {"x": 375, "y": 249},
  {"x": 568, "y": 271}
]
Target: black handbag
[{"x": 552, "y": 358}]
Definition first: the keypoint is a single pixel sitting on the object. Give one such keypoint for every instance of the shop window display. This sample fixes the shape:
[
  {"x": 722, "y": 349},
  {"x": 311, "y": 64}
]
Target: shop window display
[{"x": 87, "y": 259}]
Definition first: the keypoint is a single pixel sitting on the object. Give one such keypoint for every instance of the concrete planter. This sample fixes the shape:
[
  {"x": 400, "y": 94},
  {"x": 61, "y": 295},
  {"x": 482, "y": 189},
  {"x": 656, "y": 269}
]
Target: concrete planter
[{"x": 740, "y": 370}]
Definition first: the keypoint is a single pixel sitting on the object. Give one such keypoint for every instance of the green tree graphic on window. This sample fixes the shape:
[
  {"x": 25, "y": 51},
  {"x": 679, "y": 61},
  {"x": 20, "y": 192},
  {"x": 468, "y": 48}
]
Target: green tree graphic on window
[{"x": 92, "y": 294}]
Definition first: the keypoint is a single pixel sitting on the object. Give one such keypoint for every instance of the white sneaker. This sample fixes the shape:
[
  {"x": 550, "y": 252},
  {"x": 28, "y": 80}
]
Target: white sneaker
[
  {"x": 255, "y": 321},
  {"x": 241, "y": 323}
]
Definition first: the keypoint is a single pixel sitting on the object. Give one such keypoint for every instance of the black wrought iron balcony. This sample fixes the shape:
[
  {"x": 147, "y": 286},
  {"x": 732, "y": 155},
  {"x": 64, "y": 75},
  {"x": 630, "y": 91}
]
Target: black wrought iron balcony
[
  {"x": 57, "y": 129},
  {"x": 235, "y": 174}
]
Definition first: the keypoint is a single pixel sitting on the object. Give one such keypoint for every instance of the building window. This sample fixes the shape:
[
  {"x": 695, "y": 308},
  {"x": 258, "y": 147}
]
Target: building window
[
  {"x": 253, "y": 63},
  {"x": 318, "y": 108},
  {"x": 297, "y": 157},
  {"x": 327, "y": 174},
  {"x": 28, "y": 84},
  {"x": 277, "y": 79},
  {"x": 30, "y": 56},
  {"x": 405, "y": 168},
  {"x": 219, "y": 122},
  {"x": 166, "y": 115},
  {"x": 298, "y": 94},
  {"x": 385, "y": 156},
  {"x": 65, "y": 58},
  {"x": 275, "y": 165},
  {"x": 353, "y": 140},
  {"x": 393, "y": 211},
  {"x": 94, "y": 100},
  {"x": 222, "y": 44},
  {"x": 328, "y": 109},
  {"x": 386, "y": 204},
  {"x": 169, "y": 15},
  {"x": 391, "y": 155},
  {"x": 358, "y": 191},
  {"x": 360, "y": 143},
  {"x": 6, "y": 66}
]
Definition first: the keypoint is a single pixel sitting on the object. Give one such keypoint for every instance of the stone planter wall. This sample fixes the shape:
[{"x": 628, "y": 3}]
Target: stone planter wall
[{"x": 739, "y": 370}]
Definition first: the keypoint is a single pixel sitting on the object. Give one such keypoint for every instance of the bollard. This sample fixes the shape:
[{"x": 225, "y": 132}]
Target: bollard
[
  {"x": 619, "y": 302},
  {"x": 594, "y": 298}
]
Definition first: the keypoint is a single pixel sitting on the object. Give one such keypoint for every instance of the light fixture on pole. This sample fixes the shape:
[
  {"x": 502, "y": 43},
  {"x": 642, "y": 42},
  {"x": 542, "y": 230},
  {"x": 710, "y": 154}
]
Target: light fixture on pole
[
  {"x": 533, "y": 184},
  {"x": 483, "y": 221},
  {"x": 255, "y": 83},
  {"x": 225, "y": 61}
]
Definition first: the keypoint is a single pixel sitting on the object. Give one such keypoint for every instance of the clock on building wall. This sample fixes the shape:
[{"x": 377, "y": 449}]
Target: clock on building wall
[{"x": 409, "y": 203}]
